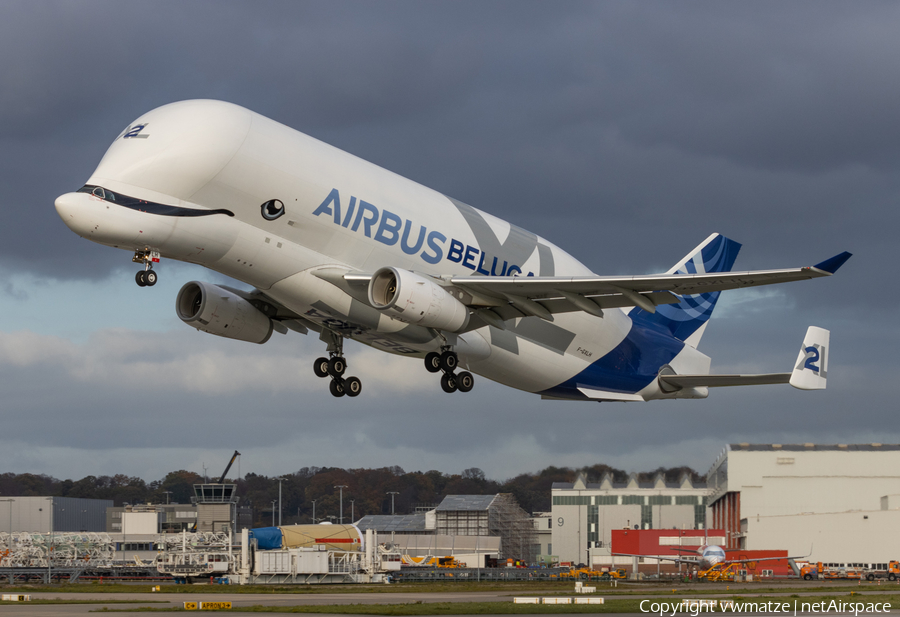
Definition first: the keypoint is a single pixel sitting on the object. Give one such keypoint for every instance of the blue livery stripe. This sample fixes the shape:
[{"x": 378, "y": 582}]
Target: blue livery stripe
[{"x": 629, "y": 368}]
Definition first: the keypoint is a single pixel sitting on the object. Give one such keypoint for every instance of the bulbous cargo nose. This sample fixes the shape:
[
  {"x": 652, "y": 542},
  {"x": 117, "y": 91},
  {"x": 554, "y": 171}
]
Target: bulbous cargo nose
[
  {"x": 74, "y": 212},
  {"x": 67, "y": 206}
]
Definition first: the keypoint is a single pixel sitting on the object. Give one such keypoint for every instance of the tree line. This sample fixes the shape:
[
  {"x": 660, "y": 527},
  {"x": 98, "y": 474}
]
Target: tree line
[{"x": 368, "y": 491}]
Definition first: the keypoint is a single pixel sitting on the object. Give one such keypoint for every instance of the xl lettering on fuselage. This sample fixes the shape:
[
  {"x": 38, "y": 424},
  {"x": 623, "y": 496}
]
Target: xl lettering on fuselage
[{"x": 390, "y": 229}]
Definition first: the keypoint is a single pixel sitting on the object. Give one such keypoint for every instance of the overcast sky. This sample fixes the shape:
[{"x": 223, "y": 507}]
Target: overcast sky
[{"x": 624, "y": 132}]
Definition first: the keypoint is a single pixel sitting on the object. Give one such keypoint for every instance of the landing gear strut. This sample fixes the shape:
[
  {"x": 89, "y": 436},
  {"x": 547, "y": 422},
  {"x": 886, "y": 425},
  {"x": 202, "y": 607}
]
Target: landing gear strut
[
  {"x": 335, "y": 366},
  {"x": 146, "y": 277},
  {"x": 447, "y": 361}
]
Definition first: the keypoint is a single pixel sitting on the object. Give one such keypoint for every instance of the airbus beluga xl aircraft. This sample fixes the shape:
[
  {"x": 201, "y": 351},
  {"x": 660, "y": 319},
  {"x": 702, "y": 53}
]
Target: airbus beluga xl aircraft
[{"x": 342, "y": 247}]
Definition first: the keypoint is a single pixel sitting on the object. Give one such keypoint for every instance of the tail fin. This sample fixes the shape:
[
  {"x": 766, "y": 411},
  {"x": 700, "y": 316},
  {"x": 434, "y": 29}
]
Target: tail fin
[
  {"x": 687, "y": 320},
  {"x": 811, "y": 369}
]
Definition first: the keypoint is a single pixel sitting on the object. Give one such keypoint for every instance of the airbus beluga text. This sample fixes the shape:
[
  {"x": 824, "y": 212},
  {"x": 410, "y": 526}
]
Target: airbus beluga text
[{"x": 339, "y": 246}]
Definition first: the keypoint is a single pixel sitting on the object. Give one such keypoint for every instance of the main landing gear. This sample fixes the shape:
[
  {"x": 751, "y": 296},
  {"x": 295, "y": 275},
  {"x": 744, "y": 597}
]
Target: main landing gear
[
  {"x": 447, "y": 361},
  {"x": 334, "y": 366},
  {"x": 146, "y": 277}
]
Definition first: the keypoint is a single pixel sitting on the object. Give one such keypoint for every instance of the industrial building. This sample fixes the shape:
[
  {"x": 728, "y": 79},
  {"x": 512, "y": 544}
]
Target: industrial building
[
  {"x": 52, "y": 514},
  {"x": 584, "y": 514},
  {"x": 467, "y": 526},
  {"x": 841, "y": 503}
]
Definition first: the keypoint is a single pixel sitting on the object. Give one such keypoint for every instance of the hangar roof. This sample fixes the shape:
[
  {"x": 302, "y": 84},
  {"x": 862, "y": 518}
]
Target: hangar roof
[
  {"x": 399, "y": 523},
  {"x": 456, "y": 503},
  {"x": 813, "y": 447}
]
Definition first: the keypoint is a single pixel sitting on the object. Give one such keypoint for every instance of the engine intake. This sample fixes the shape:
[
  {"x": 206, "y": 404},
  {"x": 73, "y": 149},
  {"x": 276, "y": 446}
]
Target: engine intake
[
  {"x": 415, "y": 299},
  {"x": 216, "y": 310}
]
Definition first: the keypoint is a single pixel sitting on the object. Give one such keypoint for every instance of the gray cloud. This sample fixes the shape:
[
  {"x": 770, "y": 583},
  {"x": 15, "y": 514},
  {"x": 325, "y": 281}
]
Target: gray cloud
[{"x": 623, "y": 132}]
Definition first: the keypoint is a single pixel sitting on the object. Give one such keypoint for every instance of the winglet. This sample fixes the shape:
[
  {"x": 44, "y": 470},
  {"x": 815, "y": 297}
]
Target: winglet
[
  {"x": 831, "y": 265},
  {"x": 811, "y": 369}
]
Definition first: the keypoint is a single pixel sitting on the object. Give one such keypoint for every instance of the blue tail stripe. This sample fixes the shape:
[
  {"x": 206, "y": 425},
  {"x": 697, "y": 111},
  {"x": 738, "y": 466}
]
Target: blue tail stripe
[{"x": 683, "y": 319}]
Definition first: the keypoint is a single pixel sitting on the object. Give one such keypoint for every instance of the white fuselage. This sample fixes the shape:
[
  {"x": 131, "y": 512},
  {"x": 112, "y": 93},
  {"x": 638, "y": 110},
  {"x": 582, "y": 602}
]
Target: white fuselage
[{"x": 339, "y": 211}]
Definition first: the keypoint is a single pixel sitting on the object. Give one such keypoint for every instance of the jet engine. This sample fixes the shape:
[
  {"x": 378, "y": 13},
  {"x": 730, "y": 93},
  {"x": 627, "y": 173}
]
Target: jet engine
[
  {"x": 412, "y": 298},
  {"x": 216, "y": 310}
]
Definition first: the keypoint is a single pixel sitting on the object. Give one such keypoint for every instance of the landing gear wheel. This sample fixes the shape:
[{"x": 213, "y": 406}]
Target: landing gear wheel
[
  {"x": 433, "y": 362},
  {"x": 150, "y": 278},
  {"x": 448, "y": 383},
  {"x": 448, "y": 361},
  {"x": 352, "y": 386},
  {"x": 465, "y": 381},
  {"x": 139, "y": 279},
  {"x": 320, "y": 367},
  {"x": 337, "y": 388},
  {"x": 336, "y": 366}
]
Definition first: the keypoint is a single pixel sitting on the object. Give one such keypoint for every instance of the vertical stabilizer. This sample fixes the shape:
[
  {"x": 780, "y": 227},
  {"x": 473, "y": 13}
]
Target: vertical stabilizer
[{"x": 687, "y": 320}]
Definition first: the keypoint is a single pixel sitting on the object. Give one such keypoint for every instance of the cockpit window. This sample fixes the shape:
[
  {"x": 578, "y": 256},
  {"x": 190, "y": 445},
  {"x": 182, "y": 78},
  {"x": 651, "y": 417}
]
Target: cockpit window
[{"x": 98, "y": 191}]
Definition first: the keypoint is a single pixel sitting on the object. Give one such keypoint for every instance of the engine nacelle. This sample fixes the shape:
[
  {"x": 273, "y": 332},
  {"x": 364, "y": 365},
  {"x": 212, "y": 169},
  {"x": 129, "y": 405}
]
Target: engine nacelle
[
  {"x": 212, "y": 309},
  {"x": 412, "y": 298}
]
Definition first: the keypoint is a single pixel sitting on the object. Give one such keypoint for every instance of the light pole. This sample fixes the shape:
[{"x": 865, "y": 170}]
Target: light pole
[
  {"x": 392, "y": 493},
  {"x": 351, "y": 510},
  {"x": 167, "y": 496},
  {"x": 50, "y": 547},
  {"x": 273, "y": 513},
  {"x": 279, "y": 499},
  {"x": 342, "y": 487},
  {"x": 314, "y": 511}
]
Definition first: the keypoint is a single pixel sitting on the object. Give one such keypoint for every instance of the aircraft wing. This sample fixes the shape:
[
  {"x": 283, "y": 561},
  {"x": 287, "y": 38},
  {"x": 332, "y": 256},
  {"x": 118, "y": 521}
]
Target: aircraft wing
[
  {"x": 496, "y": 299},
  {"x": 693, "y": 561},
  {"x": 566, "y": 294}
]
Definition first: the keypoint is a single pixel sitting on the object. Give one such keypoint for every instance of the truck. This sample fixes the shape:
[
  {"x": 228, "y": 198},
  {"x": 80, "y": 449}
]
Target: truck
[
  {"x": 587, "y": 574},
  {"x": 890, "y": 571},
  {"x": 819, "y": 571},
  {"x": 432, "y": 562}
]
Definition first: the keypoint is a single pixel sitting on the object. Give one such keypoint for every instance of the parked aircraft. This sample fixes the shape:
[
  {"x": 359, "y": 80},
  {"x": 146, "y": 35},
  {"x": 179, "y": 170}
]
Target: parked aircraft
[
  {"x": 707, "y": 556},
  {"x": 339, "y": 246}
]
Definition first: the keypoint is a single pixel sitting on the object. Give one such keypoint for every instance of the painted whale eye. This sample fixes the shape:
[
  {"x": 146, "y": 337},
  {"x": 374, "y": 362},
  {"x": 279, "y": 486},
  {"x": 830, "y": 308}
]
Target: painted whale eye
[{"x": 272, "y": 209}]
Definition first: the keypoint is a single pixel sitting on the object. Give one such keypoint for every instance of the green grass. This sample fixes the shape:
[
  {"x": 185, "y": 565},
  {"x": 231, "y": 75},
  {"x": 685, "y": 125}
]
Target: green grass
[
  {"x": 59, "y": 601},
  {"x": 624, "y": 605},
  {"x": 541, "y": 587}
]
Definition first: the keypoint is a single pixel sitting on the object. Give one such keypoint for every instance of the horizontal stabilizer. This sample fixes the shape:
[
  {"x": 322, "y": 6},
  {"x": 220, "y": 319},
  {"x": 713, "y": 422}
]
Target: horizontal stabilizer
[
  {"x": 721, "y": 381},
  {"x": 809, "y": 372}
]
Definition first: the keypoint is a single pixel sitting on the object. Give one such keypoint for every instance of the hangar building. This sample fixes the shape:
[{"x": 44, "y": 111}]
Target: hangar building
[
  {"x": 843, "y": 500},
  {"x": 52, "y": 514},
  {"x": 584, "y": 515}
]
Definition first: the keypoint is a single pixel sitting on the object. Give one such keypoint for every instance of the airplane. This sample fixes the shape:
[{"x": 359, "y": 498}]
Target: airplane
[
  {"x": 336, "y": 245},
  {"x": 708, "y": 556}
]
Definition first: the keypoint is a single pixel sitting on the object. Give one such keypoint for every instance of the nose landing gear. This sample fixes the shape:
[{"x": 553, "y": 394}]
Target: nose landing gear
[
  {"x": 146, "y": 277},
  {"x": 447, "y": 361},
  {"x": 335, "y": 366}
]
